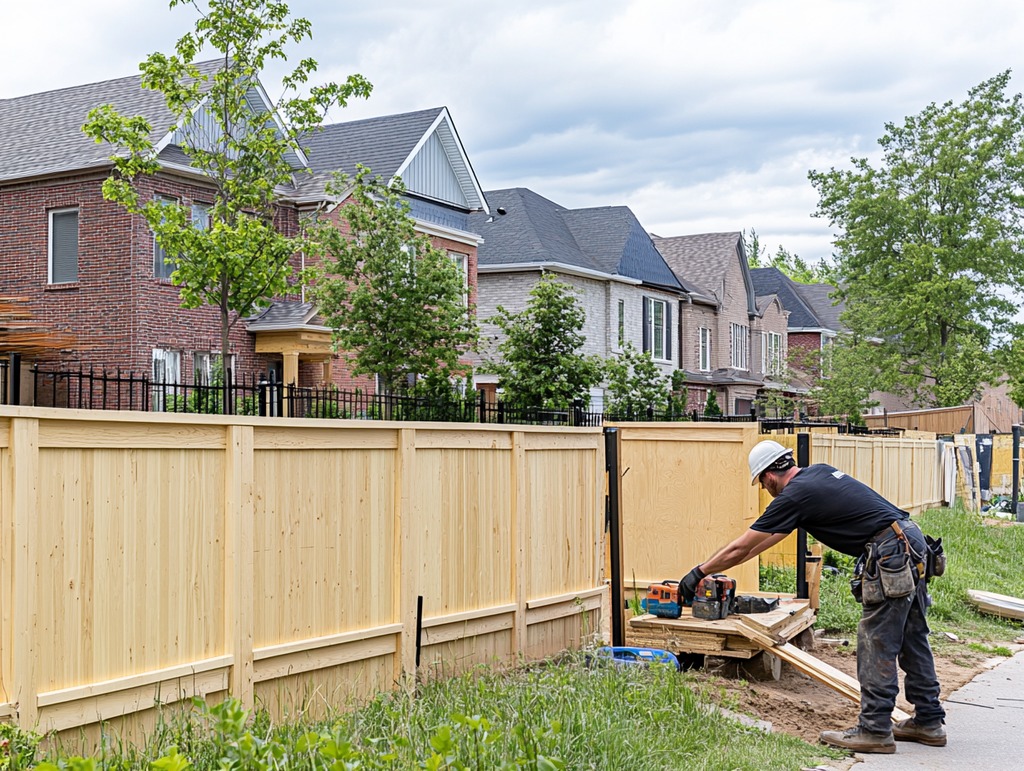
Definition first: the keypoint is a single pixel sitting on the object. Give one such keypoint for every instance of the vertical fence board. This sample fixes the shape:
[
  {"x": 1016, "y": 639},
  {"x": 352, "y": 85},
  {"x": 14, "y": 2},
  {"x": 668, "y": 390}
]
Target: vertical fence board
[
  {"x": 27, "y": 564},
  {"x": 238, "y": 561}
]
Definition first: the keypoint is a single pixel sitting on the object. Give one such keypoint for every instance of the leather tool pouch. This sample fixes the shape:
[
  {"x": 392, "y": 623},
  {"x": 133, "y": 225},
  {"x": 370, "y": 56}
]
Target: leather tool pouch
[
  {"x": 935, "y": 559},
  {"x": 871, "y": 581},
  {"x": 895, "y": 571}
]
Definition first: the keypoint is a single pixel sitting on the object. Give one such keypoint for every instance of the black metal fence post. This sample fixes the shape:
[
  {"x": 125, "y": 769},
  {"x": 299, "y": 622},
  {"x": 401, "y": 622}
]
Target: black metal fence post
[
  {"x": 613, "y": 524},
  {"x": 1018, "y": 514},
  {"x": 14, "y": 379},
  {"x": 803, "y": 456}
]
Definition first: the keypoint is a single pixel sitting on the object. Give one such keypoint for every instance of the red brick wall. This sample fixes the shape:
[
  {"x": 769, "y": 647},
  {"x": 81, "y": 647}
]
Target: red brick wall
[
  {"x": 117, "y": 311},
  {"x": 805, "y": 351}
]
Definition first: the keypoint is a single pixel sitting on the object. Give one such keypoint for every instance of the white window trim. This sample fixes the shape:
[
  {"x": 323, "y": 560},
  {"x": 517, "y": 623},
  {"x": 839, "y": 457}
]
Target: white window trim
[
  {"x": 704, "y": 349},
  {"x": 619, "y": 334},
  {"x": 772, "y": 360},
  {"x": 157, "y": 248},
  {"x": 49, "y": 242},
  {"x": 665, "y": 331},
  {"x": 462, "y": 261},
  {"x": 740, "y": 349}
]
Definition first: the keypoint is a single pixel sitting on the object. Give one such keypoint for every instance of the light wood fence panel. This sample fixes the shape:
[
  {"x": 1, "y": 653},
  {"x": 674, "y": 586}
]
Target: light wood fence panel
[
  {"x": 685, "y": 492},
  {"x": 152, "y": 558},
  {"x": 907, "y": 472}
]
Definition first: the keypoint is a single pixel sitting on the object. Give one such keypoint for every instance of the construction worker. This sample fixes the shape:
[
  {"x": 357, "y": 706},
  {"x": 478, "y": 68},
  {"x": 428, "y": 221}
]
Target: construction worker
[{"x": 850, "y": 517}]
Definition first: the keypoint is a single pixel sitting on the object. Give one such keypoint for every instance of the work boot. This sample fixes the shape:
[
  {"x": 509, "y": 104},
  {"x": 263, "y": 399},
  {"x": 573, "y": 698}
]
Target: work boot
[
  {"x": 909, "y": 731},
  {"x": 859, "y": 740}
]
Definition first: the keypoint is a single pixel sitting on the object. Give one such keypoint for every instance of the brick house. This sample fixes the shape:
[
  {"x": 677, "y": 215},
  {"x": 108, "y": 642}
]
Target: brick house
[
  {"x": 628, "y": 292},
  {"x": 88, "y": 268},
  {"x": 732, "y": 342}
]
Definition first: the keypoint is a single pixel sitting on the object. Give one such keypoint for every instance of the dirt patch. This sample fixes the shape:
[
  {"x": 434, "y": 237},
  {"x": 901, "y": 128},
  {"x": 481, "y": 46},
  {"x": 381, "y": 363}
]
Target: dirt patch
[{"x": 797, "y": 705}]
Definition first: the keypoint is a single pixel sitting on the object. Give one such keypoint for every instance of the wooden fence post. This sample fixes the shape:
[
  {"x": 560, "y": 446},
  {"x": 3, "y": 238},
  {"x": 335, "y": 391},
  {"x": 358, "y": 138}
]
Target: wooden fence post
[
  {"x": 404, "y": 576},
  {"x": 239, "y": 608},
  {"x": 520, "y": 542},
  {"x": 24, "y": 450}
]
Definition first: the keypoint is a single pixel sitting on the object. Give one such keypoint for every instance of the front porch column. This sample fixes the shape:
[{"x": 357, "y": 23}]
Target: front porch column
[{"x": 290, "y": 375}]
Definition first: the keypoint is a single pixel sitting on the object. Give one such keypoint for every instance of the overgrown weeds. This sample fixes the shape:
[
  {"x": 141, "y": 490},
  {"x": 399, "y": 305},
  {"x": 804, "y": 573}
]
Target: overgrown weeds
[{"x": 570, "y": 714}]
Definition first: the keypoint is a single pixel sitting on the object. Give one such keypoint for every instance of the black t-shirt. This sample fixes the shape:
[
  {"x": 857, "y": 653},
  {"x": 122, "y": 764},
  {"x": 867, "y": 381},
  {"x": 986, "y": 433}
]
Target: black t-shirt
[{"x": 832, "y": 506}]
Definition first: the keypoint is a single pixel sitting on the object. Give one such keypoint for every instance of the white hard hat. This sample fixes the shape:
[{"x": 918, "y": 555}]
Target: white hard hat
[{"x": 763, "y": 455}]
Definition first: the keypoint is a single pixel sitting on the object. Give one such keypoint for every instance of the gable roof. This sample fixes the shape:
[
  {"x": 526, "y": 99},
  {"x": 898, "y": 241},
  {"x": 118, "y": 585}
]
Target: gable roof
[
  {"x": 530, "y": 230},
  {"x": 41, "y": 134},
  {"x": 704, "y": 259},
  {"x": 809, "y": 305},
  {"x": 285, "y": 314},
  {"x": 418, "y": 146}
]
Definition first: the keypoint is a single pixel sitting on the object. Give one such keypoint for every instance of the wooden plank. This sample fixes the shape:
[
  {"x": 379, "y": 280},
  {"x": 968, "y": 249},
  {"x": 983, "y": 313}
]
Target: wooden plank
[
  {"x": 540, "y": 602},
  {"x": 26, "y": 646},
  {"x": 313, "y": 659},
  {"x": 997, "y": 604},
  {"x": 469, "y": 628},
  {"x": 96, "y": 709},
  {"x": 300, "y": 646},
  {"x": 520, "y": 511},
  {"x": 403, "y": 574},
  {"x": 468, "y": 615},
  {"x": 133, "y": 682},
  {"x": 563, "y": 610},
  {"x": 239, "y": 606},
  {"x": 562, "y": 439},
  {"x": 109, "y": 434},
  {"x": 467, "y": 439},
  {"x": 346, "y": 435}
]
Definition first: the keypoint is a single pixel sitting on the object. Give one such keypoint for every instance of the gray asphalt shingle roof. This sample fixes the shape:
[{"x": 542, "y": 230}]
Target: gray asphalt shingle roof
[
  {"x": 42, "y": 133},
  {"x": 284, "y": 313},
  {"x": 536, "y": 230},
  {"x": 381, "y": 144},
  {"x": 701, "y": 260},
  {"x": 809, "y": 305}
]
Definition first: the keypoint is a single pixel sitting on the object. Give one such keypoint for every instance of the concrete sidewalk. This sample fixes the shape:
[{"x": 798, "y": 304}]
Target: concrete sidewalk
[{"x": 984, "y": 726}]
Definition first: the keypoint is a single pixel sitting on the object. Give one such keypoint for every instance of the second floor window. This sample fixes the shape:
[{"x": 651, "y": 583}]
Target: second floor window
[
  {"x": 657, "y": 329},
  {"x": 461, "y": 262},
  {"x": 63, "y": 246},
  {"x": 740, "y": 346},
  {"x": 621, "y": 323},
  {"x": 704, "y": 358},
  {"x": 162, "y": 266},
  {"x": 772, "y": 353}
]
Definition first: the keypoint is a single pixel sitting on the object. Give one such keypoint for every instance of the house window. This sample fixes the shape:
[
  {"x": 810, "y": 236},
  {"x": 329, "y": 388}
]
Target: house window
[
  {"x": 207, "y": 368},
  {"x": 740, "y": 346},
  {"x": 166, "y": 379},
  {"x": 621, "y": 323},
  {"x": 163, "y": 266},
  {"x": 704, "y": 359},
  {"x": 63, "y": 246},
  {"x": 771, "y": 353},
  {"x": 462, "y": 263},
  {"x": 657, "y": 329},
  {"x": 827, "y": 350},
  {"x": 201, "y": 216}
]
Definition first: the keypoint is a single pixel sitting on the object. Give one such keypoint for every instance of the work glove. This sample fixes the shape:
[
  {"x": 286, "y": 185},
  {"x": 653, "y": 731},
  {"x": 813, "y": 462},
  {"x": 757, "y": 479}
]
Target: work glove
[{"x": 688, "y": 586}]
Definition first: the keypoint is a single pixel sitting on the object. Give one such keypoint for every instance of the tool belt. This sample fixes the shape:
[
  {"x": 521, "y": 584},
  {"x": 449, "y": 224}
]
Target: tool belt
[{"x": 891, "y": 568}]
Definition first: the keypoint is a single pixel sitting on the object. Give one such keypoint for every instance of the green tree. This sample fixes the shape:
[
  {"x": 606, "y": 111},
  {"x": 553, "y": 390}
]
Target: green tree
[
  {"x": 930, "y": 242},
  {"x": 755, "y": 252},
  {"x": 232, "y": 256},
  {"x": 843, "y": 385},
  {"x": 711, "y": 408},
  {"x": 635, "y": 384},
  {"x": 397, "y": 304},
  {"x": 540, "y": 363}
]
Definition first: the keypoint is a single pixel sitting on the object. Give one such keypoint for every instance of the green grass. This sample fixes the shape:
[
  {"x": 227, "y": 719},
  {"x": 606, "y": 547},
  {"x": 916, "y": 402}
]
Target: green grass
[
  {"x": 552, "y": 716},
  {"x": 978, "y": 556}
]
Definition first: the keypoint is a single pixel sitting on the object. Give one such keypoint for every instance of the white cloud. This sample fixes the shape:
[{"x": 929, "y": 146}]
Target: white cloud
[{"x": 699, "y": 115}]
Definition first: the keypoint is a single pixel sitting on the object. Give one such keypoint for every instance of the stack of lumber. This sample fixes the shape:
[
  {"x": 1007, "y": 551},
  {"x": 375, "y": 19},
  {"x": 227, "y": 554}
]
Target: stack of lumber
[{"x": 723, "y": 637}]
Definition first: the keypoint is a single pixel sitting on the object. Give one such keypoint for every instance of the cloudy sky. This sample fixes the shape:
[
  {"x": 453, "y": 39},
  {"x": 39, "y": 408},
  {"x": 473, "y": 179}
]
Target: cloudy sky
[{"x": 699, "y": 115}]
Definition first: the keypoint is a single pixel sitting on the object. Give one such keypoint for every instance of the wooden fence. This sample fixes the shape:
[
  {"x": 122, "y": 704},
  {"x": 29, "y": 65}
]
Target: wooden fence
[
  {"x": 907, "y": 472},
  {"x": 148, "y": 557},
  {"x": 685, "y": 492}
]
